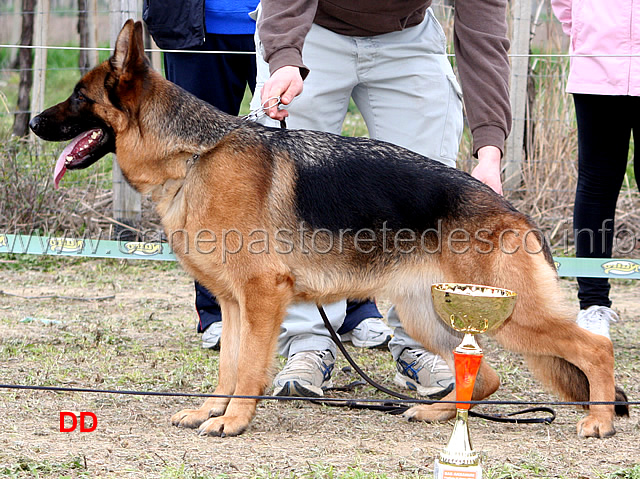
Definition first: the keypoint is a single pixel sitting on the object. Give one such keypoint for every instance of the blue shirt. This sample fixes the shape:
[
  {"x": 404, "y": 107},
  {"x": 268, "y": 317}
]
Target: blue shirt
[{"x": 230, "y": 17}]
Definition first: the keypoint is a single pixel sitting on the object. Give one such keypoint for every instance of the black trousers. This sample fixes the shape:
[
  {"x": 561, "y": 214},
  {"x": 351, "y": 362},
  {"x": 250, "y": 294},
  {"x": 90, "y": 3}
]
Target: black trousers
[
  {"x": 219, "y": 79},
  {"x": 605, "y": 125}
]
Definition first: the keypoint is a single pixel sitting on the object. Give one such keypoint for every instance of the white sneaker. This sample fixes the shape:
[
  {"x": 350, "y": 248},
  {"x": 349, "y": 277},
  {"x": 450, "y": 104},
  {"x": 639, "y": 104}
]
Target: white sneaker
[
  {"x": 424, "y": 372},
  {"x": 306, "y": 374},
  {"x": 211, "y": 336},
  {"x": 370, "y": 333},
  {"x": 596, "y": 319}
]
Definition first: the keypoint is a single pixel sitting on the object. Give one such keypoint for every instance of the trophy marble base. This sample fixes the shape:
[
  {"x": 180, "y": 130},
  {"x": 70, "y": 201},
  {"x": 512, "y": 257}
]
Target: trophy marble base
[{"x": 449, "y": 471}]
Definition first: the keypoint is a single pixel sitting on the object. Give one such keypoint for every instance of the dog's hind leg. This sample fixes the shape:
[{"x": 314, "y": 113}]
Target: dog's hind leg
[
  {"x": 577, "y": 364},
  {"x": 262, "y": 309},
  {"x": 227, "y": 371},
  {"x": 415, "y": 309}
]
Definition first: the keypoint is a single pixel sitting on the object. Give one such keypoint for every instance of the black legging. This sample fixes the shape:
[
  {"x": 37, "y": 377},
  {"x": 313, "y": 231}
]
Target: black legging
[{"x": 605, "y": 124}]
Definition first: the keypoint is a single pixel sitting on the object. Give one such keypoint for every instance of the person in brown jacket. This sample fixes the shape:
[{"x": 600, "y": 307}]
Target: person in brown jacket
[{"x": 390, "y": 57}]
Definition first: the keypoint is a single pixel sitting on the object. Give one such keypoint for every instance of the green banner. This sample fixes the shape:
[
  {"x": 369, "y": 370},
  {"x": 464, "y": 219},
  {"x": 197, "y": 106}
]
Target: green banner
[
  {"x": 99, "y": 248},
  {"x": 95, "y": 248}
]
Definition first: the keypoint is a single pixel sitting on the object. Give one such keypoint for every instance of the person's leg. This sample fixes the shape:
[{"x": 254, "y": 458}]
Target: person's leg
[
  {"x": 304, "y": 340},
  {"x": 363, "y": 326},
  {"x": 409, "y": 96},
  {"x": 357, "y": 311},
  {"x": 209, "y": 317},
  {"x": 603, "y": 145},
  {"x": 309, "y": 349}
]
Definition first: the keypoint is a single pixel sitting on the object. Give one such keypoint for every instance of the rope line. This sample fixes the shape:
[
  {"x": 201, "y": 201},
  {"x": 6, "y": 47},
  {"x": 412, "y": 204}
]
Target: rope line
[
  {"x": 311, "y": 399},
  {"x": 224, "y": 52}
]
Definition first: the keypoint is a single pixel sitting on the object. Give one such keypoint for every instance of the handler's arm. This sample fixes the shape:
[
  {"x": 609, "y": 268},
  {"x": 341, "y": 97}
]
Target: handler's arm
[
  {"x": 481, "y": 45},
  {"x": 282, "y": 27}
]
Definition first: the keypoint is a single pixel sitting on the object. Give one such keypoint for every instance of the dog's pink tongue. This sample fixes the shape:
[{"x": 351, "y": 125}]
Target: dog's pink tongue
[{"x": 61, "y": 167}]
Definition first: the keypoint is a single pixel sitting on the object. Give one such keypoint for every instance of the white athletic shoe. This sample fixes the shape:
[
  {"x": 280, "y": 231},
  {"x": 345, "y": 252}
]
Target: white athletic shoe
[
  {"x": 596, "y": 319},
  {"x": 370, "y": 333},
  {"x": 211, "y": 336},
  {"x": 306, "y": 374},
  {"x": 424, "y": 372}
]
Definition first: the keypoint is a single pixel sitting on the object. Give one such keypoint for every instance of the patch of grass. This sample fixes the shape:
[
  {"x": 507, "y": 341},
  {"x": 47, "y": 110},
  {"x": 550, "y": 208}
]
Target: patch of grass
[
  {"x": 630, "y": 473},
  {"x": 324, "y": 471},
  {"x": 184, "y": 471},
  {"x": 74, "y": 467},
  {"x": 43, "y": 263}
]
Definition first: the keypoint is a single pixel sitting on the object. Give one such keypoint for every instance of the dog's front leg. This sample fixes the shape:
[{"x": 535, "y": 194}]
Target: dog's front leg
[
  {"x": 227, "y": 371},
  {"x": 262, "y": 311}
]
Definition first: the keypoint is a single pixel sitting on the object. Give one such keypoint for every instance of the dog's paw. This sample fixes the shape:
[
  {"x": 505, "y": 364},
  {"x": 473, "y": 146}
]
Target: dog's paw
[
  {"x": 430, "y": 412},
  {"x": 223, "y": 426},
  {"x": 191, "y": 418},
  {"x": 592, "y": 426}
]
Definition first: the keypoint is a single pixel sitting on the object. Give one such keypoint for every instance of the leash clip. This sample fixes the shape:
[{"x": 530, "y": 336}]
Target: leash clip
[{"x": 269, "y": 103}]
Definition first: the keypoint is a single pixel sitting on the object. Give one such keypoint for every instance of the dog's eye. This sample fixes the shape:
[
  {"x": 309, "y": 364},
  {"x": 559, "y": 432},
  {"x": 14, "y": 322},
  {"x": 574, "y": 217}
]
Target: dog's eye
[{"x": 79, "y": 98}]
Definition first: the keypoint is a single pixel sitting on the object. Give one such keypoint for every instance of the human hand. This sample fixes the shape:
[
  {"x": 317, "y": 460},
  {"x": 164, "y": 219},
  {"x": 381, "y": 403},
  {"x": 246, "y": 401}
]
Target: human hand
[
  {"x": 286, "y": 83},
  {"x": 488, "y": 168}
]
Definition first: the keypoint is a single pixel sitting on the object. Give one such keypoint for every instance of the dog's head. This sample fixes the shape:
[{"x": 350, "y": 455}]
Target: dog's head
[{"x": 102, "y": 104}]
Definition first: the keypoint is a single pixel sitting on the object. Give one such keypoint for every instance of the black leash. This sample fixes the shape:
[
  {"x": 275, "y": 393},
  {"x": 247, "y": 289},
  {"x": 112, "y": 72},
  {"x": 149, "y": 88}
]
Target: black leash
[{"x": 396, "y": 408}]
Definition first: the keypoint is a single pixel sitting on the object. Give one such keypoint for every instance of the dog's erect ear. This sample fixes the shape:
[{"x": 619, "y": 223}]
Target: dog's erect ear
[{"x": 128, "y": 56}]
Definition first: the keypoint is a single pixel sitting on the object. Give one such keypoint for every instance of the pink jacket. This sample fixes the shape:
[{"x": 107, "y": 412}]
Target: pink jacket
[{"x": 602, "y": 28}]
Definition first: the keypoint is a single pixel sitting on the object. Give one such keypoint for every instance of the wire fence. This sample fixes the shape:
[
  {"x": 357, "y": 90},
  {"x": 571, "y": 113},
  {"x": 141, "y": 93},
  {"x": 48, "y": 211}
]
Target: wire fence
[{"x": 546, "y": 175}]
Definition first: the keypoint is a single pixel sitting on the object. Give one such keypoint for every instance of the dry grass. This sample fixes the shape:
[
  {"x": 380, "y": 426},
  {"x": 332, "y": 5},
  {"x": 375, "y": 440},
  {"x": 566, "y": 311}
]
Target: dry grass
[{"x": 29, "y": 202}]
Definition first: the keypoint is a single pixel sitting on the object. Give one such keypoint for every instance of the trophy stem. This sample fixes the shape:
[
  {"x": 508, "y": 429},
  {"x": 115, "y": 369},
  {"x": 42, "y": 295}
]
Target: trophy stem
[
  {"x": 469, "y": 345},
  {"x": 467, "y": 364},
  {"x": 459, "y": 451}
]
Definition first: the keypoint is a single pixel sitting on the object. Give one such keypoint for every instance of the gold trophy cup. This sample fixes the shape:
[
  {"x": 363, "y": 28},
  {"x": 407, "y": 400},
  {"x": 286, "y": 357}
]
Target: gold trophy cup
[{"x": 470, "y": 309}]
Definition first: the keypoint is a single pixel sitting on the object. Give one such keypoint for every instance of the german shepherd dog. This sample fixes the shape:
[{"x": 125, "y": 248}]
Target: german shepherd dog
[{"x": 264, "y": 217}]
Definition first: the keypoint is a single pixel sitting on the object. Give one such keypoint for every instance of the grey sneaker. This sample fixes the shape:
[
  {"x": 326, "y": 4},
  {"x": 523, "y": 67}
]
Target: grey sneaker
[
  {"x": 211, "y": 336},
  {"x": 370, "y": 333},
  {"x": 596, "y": 319},
  {"x": 306, "y": 374},
  {"x": 424, "y": 372}
]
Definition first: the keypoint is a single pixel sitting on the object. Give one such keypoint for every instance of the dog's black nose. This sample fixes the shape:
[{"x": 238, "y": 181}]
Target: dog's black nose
[{"x": 34, "y": 124}]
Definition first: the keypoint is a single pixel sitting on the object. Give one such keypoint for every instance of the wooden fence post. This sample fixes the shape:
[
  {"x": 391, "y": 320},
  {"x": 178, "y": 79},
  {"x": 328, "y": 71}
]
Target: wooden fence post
[
  {"x": 92, "y": 28},
  {"x": 40, "y": 36},
  {"x": 88, "y": 56},
  {"x": 127, "y": 204},
  {"x": 521, "y": 15},
  {"x": 25, "y": 65}
]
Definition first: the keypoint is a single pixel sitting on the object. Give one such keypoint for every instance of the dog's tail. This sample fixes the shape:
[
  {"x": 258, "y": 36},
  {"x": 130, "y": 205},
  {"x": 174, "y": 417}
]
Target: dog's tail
[{"x": 568, "y": 380}]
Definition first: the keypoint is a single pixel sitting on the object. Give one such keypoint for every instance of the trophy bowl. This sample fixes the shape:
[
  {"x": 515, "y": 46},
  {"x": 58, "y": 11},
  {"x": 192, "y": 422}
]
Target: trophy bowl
[{"x": 472, "y": 308}]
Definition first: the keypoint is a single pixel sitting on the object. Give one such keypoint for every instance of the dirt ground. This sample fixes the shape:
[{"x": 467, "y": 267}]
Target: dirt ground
[{"x": 142, "y": 337}]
